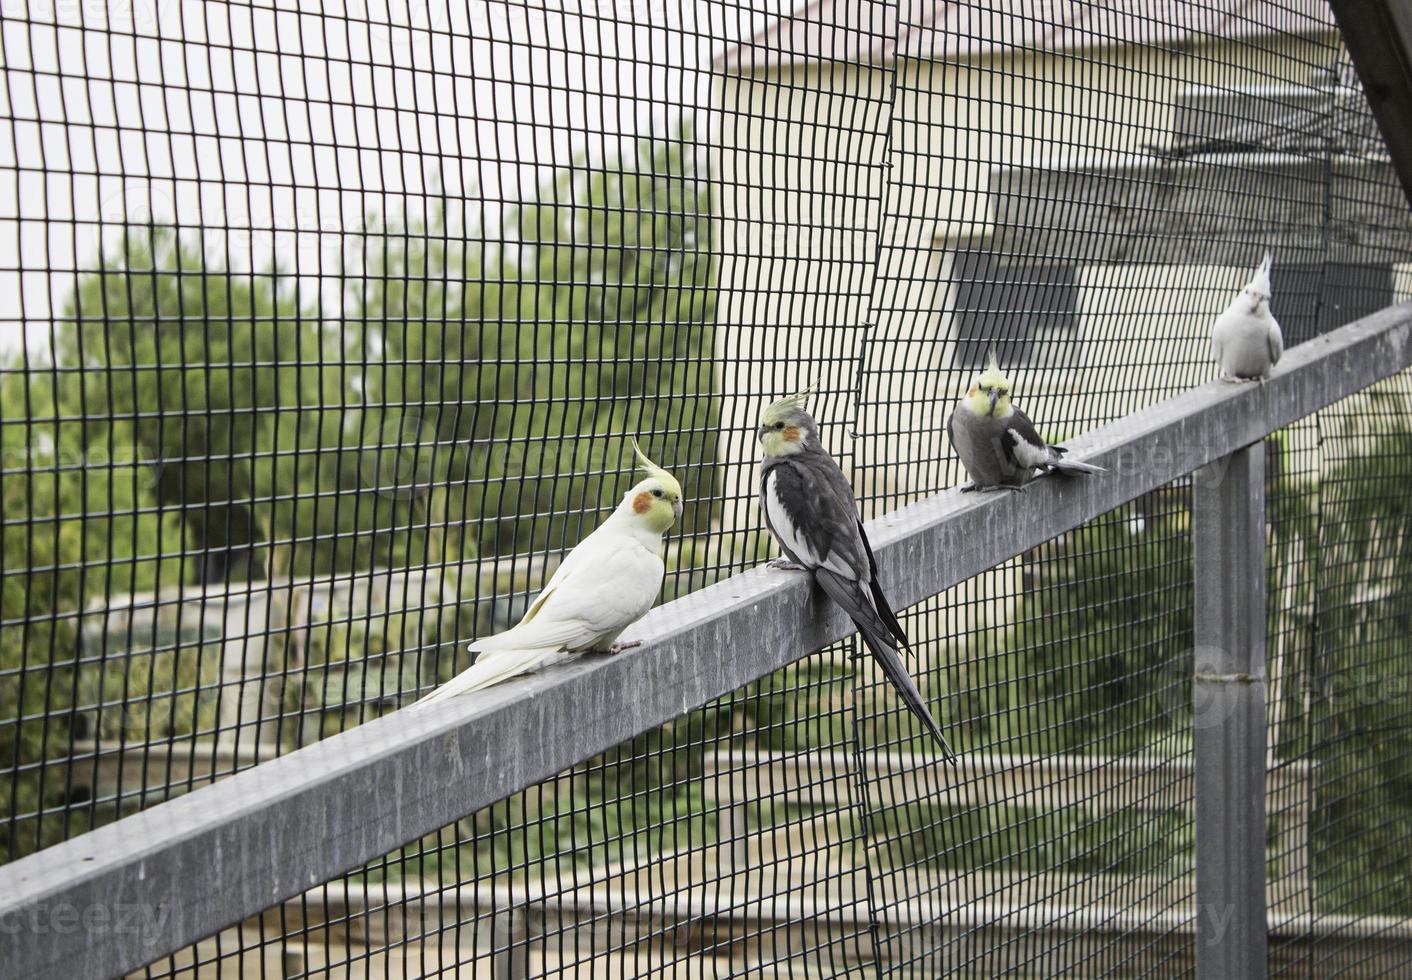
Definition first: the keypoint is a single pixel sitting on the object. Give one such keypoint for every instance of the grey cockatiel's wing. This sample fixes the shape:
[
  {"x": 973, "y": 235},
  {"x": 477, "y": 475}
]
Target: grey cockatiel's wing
[
  {"x": 837, "y": 485},
  {"x": 1006, "y": 452},
  {"x": 810, "y": 509},
  {"x": 879, "y": 599},
  {"x": 1022, "y": 444},
  {"x": 977, "y": 440},
  {"x": 810, "y": 516},
  {"x": 1026, "y": 448}
]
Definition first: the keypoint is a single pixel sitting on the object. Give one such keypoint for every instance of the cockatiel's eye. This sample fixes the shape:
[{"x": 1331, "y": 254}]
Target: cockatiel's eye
[
  {"x": 656, "y": 493},
  {"x": 778, "y": 425}
]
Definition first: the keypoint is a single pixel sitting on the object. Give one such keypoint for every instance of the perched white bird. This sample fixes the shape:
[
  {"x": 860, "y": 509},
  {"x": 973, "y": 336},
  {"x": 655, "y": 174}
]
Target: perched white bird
[
  {"x": 1245, "y": 340},
  {"x": 604, "y": 585},
  {"x": 997, "y": 442}
]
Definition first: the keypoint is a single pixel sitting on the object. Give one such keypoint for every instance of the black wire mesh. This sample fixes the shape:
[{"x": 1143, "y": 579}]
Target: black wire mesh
[{"x": 324, "y": 333}]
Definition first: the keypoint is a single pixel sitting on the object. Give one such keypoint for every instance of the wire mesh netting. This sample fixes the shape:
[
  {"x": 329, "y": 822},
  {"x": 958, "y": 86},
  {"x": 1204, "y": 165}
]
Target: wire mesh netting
[{"x": 322, "y": 335}]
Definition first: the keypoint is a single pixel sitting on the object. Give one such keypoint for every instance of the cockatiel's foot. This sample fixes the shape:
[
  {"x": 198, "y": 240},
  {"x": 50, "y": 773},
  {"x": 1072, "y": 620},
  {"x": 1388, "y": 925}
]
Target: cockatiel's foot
[
  {"x": 620, "y": 647},
  {"x": 969, "y": 487},
  {"x": 785, "y": 565}
]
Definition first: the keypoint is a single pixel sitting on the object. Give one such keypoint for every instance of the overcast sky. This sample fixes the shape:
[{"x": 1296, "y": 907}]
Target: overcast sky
[{"x": 287, "y": 126}]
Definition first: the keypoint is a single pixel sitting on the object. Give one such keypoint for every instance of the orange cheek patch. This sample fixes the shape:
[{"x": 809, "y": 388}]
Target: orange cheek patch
[
  {"x": 641, "y": 502},
  {"x": 791, "y": 433}
]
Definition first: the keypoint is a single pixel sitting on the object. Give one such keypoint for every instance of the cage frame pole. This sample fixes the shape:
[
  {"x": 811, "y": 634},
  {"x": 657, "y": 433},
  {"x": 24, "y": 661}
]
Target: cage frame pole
[
  {"x": 1378, "y": 36},
  {"x": 1228, "y": 715}
]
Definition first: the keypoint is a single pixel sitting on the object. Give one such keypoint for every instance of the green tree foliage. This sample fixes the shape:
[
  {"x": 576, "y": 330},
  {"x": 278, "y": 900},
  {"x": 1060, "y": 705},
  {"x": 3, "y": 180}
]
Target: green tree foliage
[
  {"x": 516, "y": 372},
  {"x": 148, "y": 434},
  {"x": 195, "y": 424},
  {"x": 634, "y": 243},
  {"x": 200, "y": 374},
  {"x": 1096, "y": 657},
  {"x": 42, "y": 557},
  {"x": 1360, "y": 680}
]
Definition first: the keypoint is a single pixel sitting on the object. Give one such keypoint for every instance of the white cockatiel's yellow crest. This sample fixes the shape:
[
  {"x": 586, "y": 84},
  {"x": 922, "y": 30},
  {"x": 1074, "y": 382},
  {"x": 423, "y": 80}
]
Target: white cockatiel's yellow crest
[
  {"x": 655, "y": 501},
  {"x": 786, "y": 426},
  {"x": 655, "y": 471},
  {"x": 989, "y": 394}
]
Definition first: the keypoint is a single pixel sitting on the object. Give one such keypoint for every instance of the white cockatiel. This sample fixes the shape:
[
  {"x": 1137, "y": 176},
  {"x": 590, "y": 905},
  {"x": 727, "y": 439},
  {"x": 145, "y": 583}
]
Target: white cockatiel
[
  {"x": 1245, "y": 340},
  {"x": 607, "y": 583}
]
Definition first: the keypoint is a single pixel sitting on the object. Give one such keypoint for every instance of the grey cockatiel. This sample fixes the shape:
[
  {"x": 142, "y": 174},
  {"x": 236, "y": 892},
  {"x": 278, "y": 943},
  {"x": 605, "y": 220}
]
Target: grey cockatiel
[
  {"x": 997, "y": 443},
  {"x": 1245, "y": 340},
  {"x": 809, "y": 507}
]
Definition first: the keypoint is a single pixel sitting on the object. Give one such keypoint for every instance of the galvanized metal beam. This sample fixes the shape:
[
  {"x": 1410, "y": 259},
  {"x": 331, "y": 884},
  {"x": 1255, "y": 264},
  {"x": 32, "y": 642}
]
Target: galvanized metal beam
[
  {"x": 1378, "y": 36},
  {"x": 1228, "y": 719},
  {"x": 125, "y": 894}
]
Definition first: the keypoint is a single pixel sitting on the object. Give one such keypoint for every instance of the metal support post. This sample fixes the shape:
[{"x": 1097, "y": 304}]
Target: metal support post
[{"x": 1228, "y": 698}]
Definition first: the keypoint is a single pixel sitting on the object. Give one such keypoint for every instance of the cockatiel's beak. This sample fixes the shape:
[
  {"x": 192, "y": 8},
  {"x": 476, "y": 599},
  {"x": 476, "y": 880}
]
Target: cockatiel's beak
[
  {"x": 994, "y": 397},
  {"x": 677, "y": 508},
  {"x": 760, "y": 433}
]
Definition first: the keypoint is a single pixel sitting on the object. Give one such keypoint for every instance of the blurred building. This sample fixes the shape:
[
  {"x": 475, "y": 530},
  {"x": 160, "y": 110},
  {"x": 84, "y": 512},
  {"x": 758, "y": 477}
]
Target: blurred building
[{"x": 887, "y": 208}]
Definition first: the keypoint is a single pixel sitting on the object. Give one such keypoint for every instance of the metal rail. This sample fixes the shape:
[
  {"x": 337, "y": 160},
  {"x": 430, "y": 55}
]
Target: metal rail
[{"x": 116, "y": 898}]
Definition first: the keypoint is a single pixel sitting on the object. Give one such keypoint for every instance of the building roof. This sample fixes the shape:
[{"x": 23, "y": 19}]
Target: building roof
[{"x": 875, "y": 32}]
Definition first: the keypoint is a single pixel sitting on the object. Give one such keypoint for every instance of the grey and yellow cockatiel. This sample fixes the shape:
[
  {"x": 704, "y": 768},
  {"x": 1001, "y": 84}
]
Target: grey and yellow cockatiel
[
  {"x": 1246, "y": 341},
  {"x": 997, "y": 443},
  {"x": 810, "y": 509},
  {"x": 607, "y": 583}
]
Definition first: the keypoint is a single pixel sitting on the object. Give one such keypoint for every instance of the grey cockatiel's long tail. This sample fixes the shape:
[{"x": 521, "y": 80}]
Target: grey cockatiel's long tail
[
  {"x": 810, "y": 509},
  {"x": 879, "y": 599},
  {"x": 882, "y": 643},
  {"x": 1067, "y": 467}
]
